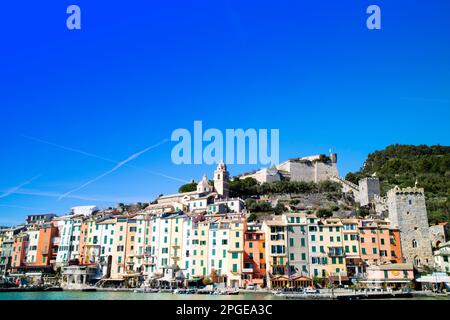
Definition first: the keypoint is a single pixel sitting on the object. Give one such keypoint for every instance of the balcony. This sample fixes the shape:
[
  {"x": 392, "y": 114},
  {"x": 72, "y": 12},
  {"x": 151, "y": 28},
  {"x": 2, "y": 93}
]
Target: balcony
[
  {"x": 336, "y": 252},
  {"x": 337, "y": 274}
]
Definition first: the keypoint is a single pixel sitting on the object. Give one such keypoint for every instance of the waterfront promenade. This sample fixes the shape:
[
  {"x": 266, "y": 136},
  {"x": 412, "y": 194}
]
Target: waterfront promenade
[{"x": 132, "y": 294}]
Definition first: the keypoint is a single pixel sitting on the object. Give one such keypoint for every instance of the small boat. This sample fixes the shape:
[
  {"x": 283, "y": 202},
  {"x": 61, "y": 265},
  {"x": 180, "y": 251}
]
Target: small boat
[
  {"x": 232, "y": 292},
  {"x": 180, "y": 291}
]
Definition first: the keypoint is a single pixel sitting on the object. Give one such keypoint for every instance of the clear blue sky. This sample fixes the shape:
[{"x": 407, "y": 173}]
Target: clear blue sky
[{"x": 140, "y": 69}]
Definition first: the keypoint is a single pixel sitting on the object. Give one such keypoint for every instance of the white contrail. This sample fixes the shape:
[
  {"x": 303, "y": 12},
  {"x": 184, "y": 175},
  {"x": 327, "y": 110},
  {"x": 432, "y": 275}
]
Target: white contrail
[
  {"x": 17, "y": 188},
  {"x": 68, "y": 148},
  {"x": 119, "y": 165},
  {"x": 102, "y": 158}
]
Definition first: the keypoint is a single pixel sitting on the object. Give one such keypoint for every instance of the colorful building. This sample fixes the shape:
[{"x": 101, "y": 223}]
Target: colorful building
[{"x": 254, "y": 270}]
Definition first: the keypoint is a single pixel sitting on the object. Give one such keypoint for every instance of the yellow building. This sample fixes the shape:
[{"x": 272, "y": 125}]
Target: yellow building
[
  {"x": 235, "y": 257},
  {"x": 276, "y": 254}
]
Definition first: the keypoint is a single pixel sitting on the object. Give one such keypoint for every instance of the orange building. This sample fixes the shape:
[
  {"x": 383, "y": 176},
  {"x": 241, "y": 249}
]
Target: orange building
[
  {"x": 254, "y": 255},
  {"x": 395, "y": 246},
  {"x": 379, "y": 243},
  {"x": 46, "y": 250},
  {"x": 369, "y": 242},
  {"x": 19, "y": 250}
]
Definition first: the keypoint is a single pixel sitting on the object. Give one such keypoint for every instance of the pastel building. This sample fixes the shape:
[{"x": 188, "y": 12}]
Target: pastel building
[
  {"x": 297, "y": 244},
  {"x": 331, "y": 243},
  {"x": 276, "y": 252},
  {"x": 32, "y": 246},
  {"x": 47, "y": 248},
  {"x": 354, "y": 263},
  {"x": 442, "y": 257},
  {"x": 254, "y": 269},
  {"x": 218, "y": 242},
  {"x": 317, "y": 258},
  {"x": 19, "y": 250},
  {"x": 236, "y": 252},
  {"x": 118, "y": 265},
  {"x": 106, "y": 238}
]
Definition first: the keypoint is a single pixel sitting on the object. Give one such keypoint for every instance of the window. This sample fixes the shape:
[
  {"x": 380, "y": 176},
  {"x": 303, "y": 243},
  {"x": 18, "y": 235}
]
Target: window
[
  {"x": 292, "y": 257},
  {"x": 303, "y": 256},
  {"x": 291, "y": 242},
  {"x": 363, "y": 250},
  {"x": 414, "y": 243},
  {"x": 250, "y": 245},
  {"x": 354, "y": 249},
  {"x": 374, "y": 250},
  {"x": 303, "y": 242},
  {"x": 234, "y": 255},
  {"x": 235, "y": 268}
]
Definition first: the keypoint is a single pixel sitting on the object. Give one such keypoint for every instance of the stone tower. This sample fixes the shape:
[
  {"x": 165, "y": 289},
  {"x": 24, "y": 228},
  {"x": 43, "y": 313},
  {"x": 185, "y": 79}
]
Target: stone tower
[
  {"x": 221, "y": 180},
  {"x": 368, "y": 188},
  {"x": 408, "y": 211}
]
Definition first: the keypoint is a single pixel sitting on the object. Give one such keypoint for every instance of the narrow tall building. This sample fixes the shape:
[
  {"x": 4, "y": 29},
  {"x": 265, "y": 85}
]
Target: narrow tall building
[{"x": 408, "y": 211}]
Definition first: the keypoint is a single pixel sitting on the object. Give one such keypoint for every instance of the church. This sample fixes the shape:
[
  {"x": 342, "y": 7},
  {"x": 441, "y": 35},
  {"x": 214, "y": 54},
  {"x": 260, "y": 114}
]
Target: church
[{"x": 210, "y": 198}]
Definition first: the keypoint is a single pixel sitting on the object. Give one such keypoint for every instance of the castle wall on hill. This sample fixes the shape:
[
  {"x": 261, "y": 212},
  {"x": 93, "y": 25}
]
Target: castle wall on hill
[{"x": 310, "y": 171}]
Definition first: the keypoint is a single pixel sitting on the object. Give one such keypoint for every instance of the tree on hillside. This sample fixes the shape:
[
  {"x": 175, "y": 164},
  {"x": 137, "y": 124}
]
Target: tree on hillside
[
  {"x": 403, "y": 165},
  {"x": 189, "y": 187}
]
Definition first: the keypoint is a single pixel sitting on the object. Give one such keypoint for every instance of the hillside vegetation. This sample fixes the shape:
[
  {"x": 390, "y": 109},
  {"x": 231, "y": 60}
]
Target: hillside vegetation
[{"x": 403, "y": 165}]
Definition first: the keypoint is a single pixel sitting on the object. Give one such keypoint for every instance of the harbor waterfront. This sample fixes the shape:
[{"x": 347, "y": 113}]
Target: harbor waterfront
[{"x": 262, "y": 295}]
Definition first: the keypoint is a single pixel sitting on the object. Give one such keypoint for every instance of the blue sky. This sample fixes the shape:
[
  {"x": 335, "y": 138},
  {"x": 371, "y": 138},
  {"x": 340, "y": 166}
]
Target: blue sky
[{"x": 140, "y": 69}]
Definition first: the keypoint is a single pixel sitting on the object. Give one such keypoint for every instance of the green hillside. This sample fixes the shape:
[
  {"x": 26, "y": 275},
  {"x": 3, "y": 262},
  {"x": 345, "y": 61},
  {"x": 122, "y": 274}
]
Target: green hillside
[{"x": 402, "y": 165}]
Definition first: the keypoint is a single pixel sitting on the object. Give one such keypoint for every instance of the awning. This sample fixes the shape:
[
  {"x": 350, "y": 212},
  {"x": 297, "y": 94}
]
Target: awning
[
  {"x": 434, "y": 279},
  {"x": 384, "y": 281}
]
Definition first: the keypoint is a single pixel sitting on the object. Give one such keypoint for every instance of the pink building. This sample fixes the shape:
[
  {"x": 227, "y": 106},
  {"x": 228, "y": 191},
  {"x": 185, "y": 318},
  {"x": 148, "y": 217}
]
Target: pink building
[{"x": 396, "y": 275}]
